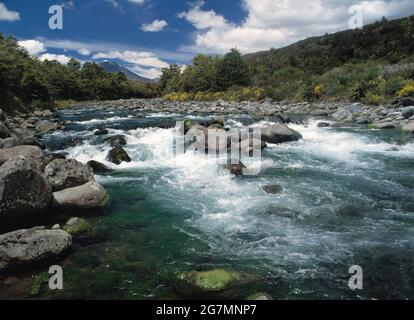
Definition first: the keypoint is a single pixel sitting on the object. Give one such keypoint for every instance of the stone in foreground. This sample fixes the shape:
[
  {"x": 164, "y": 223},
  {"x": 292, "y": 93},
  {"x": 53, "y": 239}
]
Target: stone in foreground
[
  {"x": 272, "y": 189},
  {"x": 67, "y": 173},
  {"x": 214, "y": 280},
  {"x": 118, "y": 155},
  {"x": 87, "y": 196},
  {"x": 31, "y": 245},
  {"x": 23, "y": 188},
  {"x": 409, "y": 127}
]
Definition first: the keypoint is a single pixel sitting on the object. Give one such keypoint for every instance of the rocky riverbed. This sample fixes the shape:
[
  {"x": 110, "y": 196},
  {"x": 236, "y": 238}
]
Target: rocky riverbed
[{"x": 59, "y": 168}]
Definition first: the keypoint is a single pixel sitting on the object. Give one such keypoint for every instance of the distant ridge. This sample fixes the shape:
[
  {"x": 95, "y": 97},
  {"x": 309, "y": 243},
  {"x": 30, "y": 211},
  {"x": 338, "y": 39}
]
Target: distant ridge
[{"x": 114, "y": 67}]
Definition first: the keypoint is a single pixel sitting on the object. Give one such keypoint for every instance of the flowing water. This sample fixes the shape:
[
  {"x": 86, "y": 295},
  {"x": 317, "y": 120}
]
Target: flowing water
[{"x": 348, "y": 199}]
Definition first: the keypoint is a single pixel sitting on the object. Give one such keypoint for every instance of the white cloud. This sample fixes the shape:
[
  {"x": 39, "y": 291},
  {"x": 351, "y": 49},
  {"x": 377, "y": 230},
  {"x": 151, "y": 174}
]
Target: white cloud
[
  {"x": 115, "y": 4},
  {"x": 84, "y": 52},
  {"x": 150, "y": 73},
  {"x": 33, "y": 47},
  {"x": 8, "y": 15},
  {"x": 69, "y": 5},
  {"x": 139, "y": 2},
  {"x": 144, "y": 63},
  {"x": 146, "y": 59},
  {"x": 54, "y": 57},
  {"x": 155, "y": 26},
  {"x": 272, "y": 23}
]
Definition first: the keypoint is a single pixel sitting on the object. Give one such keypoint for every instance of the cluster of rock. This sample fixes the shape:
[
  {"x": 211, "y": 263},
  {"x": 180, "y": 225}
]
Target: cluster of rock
[
  {"x": 32, "y": 181},
  {"x": 204, "y": 137},
  {"x": 399, "y": 114}
]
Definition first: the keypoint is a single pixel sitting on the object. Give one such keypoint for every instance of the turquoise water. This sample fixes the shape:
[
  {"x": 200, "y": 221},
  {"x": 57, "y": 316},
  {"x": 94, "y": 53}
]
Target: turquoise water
[{"x": 347, "y": 199}]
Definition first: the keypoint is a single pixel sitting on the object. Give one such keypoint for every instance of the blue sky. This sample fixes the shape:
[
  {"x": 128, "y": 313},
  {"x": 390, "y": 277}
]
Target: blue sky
[{"x": 147, "y": 35}]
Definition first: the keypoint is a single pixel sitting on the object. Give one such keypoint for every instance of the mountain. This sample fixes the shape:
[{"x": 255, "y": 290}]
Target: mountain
[
  {"x": 114, "y": 67},
  {"x": 386, "y": 41}
]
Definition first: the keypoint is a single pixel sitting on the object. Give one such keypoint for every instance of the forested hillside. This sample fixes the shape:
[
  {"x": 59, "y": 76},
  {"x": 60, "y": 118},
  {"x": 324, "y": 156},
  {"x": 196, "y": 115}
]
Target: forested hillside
[
  {"x": 26, "y": 82},
  {"x": 373, "y": 65}
]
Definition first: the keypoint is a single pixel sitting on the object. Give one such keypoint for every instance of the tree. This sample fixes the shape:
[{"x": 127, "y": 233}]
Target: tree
[
  {"x": 170, "y": 79},
  {"x": 233, "y": 71}
]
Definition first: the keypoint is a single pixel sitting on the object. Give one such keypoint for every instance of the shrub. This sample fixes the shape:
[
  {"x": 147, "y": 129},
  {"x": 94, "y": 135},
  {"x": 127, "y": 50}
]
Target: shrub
[{"x": 407, "y": 90}]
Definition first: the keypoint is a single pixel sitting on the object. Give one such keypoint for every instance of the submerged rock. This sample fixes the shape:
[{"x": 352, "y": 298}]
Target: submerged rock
[
  {"x": 67, "y": 173},
  {"x": 214, "y": 280},
  {"x": 23, "y": 187},
  {"x": 384, "y": 125},
  {"x": 279, "y": 133},
  {"x": 236, "y": 169},
  {"x": 31, "y": 245},
  {"x": 76, "y": 226},
  {"x": 118, "y": 140},
  {"x": 118, "y": 155},
  {"x": 98, "y": 167},
  {"x": 323, "y": 125},
  {"x": 273, "y": 189},
  {"x": 101, "y": 132},
  {"x": 89, "y": 195}
]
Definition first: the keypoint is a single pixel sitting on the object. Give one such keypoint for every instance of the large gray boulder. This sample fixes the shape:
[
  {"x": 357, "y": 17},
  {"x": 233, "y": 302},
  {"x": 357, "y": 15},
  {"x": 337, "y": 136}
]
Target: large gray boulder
[
  {"x": 89, "y": 195},
  {"x": 23, "y": 187},
  {"x": 26, "y": 136},
  {"x": 31, "y": 245},
  {"x": 30, "y": 152},
  {"x": 279, "y": 133},
  {"x": 343, "y": 115},
  {"x": 67, "y": 173},
  {"x": 10, "y": 142},
  {"x": 44, "y": 126},
  {"x": 409, "y": 127}
]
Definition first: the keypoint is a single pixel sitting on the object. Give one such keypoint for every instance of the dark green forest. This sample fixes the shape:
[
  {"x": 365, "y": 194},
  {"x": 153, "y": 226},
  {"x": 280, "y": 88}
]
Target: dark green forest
[
  {"x": 373, "y": 65},
  {"x": 26, "y": 82}
]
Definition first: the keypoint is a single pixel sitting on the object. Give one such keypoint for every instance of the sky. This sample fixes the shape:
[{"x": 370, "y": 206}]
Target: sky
[{"x": 148, "y": 35}]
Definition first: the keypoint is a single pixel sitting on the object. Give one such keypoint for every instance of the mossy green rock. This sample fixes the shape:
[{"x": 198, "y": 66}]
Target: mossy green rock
[
  {"x": 76, "y": 226},
  {"x": 259, "y": 297},
  {"x": 214, "y": 280}
]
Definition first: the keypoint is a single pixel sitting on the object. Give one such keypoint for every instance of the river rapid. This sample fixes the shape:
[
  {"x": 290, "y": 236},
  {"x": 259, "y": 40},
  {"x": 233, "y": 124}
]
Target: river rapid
[{"x": 348, "y": 199}]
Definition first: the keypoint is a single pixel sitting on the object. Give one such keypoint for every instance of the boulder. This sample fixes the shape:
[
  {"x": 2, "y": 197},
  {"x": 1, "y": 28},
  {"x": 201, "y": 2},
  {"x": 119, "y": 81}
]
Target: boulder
[
  {"x": 214, "y": 280},
  {"x": 279, "y": 133},
  {"x": 26, "y": 136},
  {"x": 323, "y": 125},
  {"x": 236, "y": 169},
  {"x": 101, "y": 132},
  {"x": 407, "y": 112},
  {"x": 362, "y": 120},
  {"x": 89, "y": 195},
  {"x": 384, "y": 125},
  {"x": 259, "y": 297},
  {"x": 4, "y": 131},
  {"x": 248, "y": 146},
  {"x": 343, "y": 116},
  {"x": 409, "y": 127},
  {"x": 118, "y": 140},
  {"x": 98, "y": 167},
  {"x": 31, "y": 245},
  {"x": 272, "y": 189},
  {"x": 76, "y": 226},
  {"x": 67, "y": 173},
  {"x": 10, "y": 142},
  {"x": 23, "y": 187},
  {"x": 31, "y": 152},
  {"x": 117, "y": 155},
  {"x": 44, "y": 126}
]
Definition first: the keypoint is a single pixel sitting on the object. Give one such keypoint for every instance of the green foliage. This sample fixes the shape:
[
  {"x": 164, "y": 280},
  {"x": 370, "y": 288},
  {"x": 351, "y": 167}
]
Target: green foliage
[
  {"x": 407, "y": 90},
  {"x": 26, "y": 82},
  {"x": 39, "y": 283}
]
